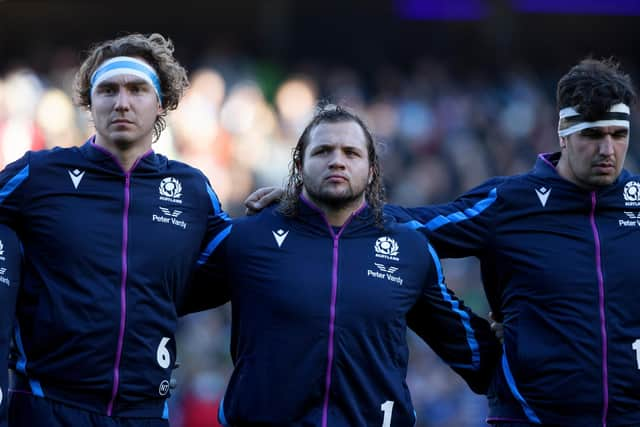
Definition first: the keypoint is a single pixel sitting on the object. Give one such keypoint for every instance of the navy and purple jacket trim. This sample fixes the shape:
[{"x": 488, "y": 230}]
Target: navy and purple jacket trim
[
  {"x": 107, "y": 255},
  {"x": 319, "y": 317},
  {"x": 556, "y": 265}
]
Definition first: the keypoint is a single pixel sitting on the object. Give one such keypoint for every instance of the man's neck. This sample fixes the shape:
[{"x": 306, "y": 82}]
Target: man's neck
[
  {"x": 337, "y": 217},
  {"x": 126, "y": 154}
]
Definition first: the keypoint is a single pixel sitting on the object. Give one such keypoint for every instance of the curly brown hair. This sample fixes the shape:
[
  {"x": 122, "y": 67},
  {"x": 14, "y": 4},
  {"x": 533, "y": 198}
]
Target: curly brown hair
[
  {"x": 154, "y": 49},
  {"x": 594, "y": 86},
  {"x": 331, "y": 113}
]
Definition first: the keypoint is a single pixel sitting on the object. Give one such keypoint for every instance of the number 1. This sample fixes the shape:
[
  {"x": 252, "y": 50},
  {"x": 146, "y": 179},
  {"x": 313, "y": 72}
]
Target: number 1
[
  {"x": 387, "y": 408},
  {"x": 636, "y": 347}
]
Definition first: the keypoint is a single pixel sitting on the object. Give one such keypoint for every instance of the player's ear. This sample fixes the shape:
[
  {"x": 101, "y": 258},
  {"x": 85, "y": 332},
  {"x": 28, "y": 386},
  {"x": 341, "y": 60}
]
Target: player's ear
[{"x": 563, "y": 142}]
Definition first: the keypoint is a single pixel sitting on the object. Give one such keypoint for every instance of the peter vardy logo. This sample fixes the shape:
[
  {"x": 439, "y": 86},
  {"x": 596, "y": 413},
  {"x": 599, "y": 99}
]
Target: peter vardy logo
[
  {"x": 385, "y": 272},
  {"x": 170, "y": 216},
  {"x": 3, "y": 279},
  {"x": 174, "y": 213},
  {"x": 171, "y": 190},
  {"x": 387, "y": 248},
  {"x": 633, "y": 221},
  {"x": 382, "y": 267},
  {"x": 543, "y": 195},
  {"x": 631, "y": 194}
]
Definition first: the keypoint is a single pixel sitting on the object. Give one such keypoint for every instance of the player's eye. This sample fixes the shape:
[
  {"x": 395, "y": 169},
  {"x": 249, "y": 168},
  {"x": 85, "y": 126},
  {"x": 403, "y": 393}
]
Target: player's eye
[
  {"x": 592, "y": 133},
  {"x": 620, "y": 134}
]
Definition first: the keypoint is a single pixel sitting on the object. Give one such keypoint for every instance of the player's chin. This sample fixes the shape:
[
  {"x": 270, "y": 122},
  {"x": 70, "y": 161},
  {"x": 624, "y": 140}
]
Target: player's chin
[
  {"x": 125, "y": 137},
  {"x": 338, "y": 196},
  {"x": 604, "y": 179}
]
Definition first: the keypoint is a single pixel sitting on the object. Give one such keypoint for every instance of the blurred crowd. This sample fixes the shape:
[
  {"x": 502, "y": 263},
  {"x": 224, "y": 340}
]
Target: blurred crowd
[{"x": 440, "y": 134}]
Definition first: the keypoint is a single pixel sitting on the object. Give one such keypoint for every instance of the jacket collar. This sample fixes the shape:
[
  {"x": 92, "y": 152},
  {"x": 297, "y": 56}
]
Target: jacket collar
[
  {"x": 148, "y": 162},
  {"x": 310, "y": 214}
]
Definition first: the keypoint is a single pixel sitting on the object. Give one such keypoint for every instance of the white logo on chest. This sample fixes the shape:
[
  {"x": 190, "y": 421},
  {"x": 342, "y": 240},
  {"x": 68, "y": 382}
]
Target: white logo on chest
[
  {"x": 543, "y": 195},
  {"x": 76, "y": 176},
  {"x": 385, "y": 272},
  {"x": 633, "y": 221},
  {"x": 170, "y": 190},
  {"x": 4, "y": 279},
  {"x": 387, "y": 248},
  {"x": 280, "y": 235},
  {"x": 170, "y": 216},
  {"x": 631, "y": 194}
]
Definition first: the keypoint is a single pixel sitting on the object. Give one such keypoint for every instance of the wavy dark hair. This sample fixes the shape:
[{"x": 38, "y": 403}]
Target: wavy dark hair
[
  {"x": 154, "y": 49},
  {"x": 331, "y": 113},
  {"x": 593, "y": 86}
]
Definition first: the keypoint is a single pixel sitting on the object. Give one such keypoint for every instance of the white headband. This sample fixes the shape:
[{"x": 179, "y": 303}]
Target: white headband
[
  {"x": 126, "y": 65},
  {"x": 618, "y": 115}
]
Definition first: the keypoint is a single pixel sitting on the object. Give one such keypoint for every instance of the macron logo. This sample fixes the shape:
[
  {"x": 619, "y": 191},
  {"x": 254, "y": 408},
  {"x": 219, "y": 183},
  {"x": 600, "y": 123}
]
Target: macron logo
[
  {"x": 543, "y": 195},
  {"x": 280, "y": 235},
  {"x": 76, "y": 177}
]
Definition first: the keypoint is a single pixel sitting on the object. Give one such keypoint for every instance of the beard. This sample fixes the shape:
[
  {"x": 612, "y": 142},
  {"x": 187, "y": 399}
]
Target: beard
[{"x": 331, "y": 197}]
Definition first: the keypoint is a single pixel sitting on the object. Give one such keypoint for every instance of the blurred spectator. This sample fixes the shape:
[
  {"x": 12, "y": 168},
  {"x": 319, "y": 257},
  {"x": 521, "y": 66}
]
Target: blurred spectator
[{"x": 200, "y": 402}]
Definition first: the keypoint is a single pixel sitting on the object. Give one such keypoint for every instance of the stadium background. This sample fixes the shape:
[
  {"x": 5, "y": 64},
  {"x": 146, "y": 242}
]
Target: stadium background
[{"x": 456, "y": 91}]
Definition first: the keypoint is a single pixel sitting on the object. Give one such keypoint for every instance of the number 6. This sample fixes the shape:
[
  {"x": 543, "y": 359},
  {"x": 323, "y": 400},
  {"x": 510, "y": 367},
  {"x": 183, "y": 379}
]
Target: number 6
[{"x": 163, "y": 355}]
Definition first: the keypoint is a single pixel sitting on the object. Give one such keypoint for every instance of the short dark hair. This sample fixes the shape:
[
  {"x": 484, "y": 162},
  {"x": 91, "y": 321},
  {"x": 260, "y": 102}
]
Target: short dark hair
[
  {"x": 331, "y": 113},
  {"x": 154, "y": 49},
  {"x": 593, "y": 86}
]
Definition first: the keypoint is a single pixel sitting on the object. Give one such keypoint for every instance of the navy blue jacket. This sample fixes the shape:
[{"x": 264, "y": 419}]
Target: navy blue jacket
[
  {"x": 106, "y": 256},
  {"x": 319, "y": 317},
  {"x": 10, "y": 259},
  {"x": 558, "y": 264}
]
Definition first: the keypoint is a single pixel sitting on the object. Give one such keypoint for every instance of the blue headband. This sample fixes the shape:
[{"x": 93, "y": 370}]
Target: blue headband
[{"x": 126, "y": 65}]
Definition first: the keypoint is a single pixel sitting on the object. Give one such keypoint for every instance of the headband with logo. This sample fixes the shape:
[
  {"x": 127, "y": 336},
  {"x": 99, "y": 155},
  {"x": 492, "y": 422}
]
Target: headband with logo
[
  {"x": 126, "y": 65},
  {"x": 571, "y": 121}
]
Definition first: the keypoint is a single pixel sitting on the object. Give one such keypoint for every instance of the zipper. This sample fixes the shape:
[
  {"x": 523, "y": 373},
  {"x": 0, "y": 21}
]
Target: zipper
[
  {"x": 332, "y": 307},
  {"x": 123, "y": 290},
  {"x": 332, "y": 326},
  {"x": 124, "y": 266},
  {"x": 601, "y": 306}
]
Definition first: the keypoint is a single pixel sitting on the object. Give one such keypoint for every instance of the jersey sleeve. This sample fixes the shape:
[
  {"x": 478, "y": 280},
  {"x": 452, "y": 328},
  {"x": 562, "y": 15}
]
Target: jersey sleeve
[
  {"x": 460, "y": 228},
  {"x": 460, "y": 337},
  {"x": 206, "y": 288},
  {"x": 12, "y": 181},
  {"x": 218, "y": 226}
]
